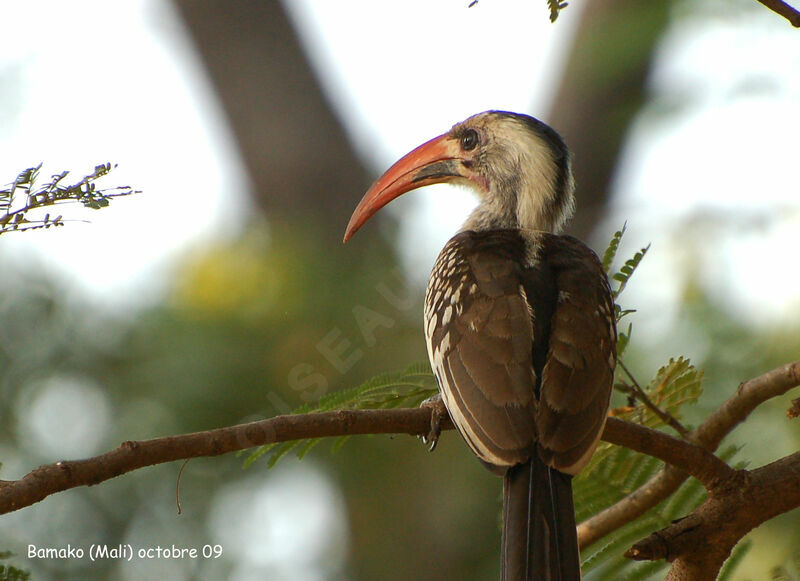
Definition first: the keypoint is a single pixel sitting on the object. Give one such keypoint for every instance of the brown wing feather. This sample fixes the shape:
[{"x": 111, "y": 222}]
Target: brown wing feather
[
  {"x": 481, "y": 348},
  {"x": 521, "y": 337},
  {"x": 581, "y": 356}
]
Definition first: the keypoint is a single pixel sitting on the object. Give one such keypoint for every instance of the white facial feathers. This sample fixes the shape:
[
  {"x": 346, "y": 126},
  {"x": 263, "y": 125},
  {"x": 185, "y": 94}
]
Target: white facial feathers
[{"x": 527, "y": 167}]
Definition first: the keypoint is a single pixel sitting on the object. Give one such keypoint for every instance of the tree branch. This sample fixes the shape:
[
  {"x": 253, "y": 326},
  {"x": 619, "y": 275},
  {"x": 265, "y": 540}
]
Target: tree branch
[
  {"x": 709, "y": 434},
  {"x": 129, "y": 456},
  {"x": 686, "y": 456},
  {"x": 748, "y": 397},
  {"x": 783, "y": 9},
  {"x": 641, "y": 395},
  {"x": 46, "y": 480},
  {"x": 14, "y": 216},
  {"x": 638, "y": 502},
  {"x": 699, "y": 543},
  {"x": 737, "y": 501}
]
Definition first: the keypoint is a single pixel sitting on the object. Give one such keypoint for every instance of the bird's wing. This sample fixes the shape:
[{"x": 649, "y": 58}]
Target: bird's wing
[
  {"x": 581, "y": 356},
  {"x": 480, "y": 332}
]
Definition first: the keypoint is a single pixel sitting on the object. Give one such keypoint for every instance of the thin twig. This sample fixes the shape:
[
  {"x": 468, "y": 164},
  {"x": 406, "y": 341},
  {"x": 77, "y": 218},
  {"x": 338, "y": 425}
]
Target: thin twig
[
  {"x": 665, "y": 417},
  {"x": 178, "y": 486},
  {"x": 783, "y": 9}
]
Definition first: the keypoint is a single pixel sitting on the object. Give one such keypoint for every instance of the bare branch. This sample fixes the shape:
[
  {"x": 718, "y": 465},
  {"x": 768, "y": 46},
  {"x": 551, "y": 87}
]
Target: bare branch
[
  {"x": 784, "y": 9},
  {"x": 129, "y": 456},
  {"x": 709, "y": 434},
  {"x": 748, "y": 397},
  {"x": 699, "y": 543},
  {"x": 47, "y": 480},
  {"x": 687, "y": 456}
]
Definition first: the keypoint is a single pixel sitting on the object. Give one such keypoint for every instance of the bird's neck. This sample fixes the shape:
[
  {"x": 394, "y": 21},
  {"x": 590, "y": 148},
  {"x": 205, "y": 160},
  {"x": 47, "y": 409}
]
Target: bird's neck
[
  {"x": 518, "y": 208},
  {"x": 531, "y": 193},
  {"x": 493, "y": 213}
]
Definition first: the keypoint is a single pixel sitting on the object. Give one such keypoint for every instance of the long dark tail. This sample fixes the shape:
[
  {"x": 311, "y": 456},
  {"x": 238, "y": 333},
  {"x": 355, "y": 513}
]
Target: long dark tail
[{"x": 539, "y": 538}]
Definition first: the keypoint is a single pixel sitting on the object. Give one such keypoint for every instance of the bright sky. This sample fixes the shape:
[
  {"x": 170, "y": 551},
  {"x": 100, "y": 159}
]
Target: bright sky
[
  {"x": 398, "y": 73},
  {"x": 718, "y": 138},
  {"x": 416, "y": 68},
  {"x": 727, "y": 151}
]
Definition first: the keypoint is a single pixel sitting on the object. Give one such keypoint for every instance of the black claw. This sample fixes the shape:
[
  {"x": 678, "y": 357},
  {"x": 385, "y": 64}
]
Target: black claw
[
  {"x": 432, "y": 437},
  {"x": 438, "y": 411}
]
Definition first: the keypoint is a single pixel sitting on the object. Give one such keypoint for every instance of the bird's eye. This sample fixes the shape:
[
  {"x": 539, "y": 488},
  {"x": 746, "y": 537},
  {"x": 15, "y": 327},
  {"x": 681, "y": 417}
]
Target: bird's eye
[{"x": 469, "y": 140}]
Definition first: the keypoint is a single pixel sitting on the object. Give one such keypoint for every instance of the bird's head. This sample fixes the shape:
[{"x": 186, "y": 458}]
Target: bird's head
[{"x": 518, "y": 166}]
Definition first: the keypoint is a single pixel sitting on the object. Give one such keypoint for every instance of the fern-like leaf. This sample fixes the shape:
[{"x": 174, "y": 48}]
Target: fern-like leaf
[
  {"x": 623, "y": 340},
  {"x": 11, "y": 573},
  {"x": 614, "y": 472},
  {"x": 608, "y": 562},
  {"x": 18, "y": 215},
  {"x": 613, "y": 247},
  {"x": 555, "y": 7},
  {"x": 625, "y": 273},
  {"x": 674, "y": 385},
  {"x": 738, "y": 553},
  {"x": 406, "y": 388}
]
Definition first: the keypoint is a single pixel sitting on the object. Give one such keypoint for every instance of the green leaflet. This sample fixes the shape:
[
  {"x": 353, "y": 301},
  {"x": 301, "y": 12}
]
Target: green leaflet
[
  {"x": 613, "y": 247},
  {"x": 9, "y": 572},
  {"x": 406, "y": 388},
  {"x": 18, "y": 216},
  {"x": 622, "y": 276},
  {"x": 675, "y": 384},
  {"x": 627, "y": 270},
  {"x": 555, "y": 6}
]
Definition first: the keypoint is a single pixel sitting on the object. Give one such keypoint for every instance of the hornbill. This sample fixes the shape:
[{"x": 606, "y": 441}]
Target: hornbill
[{"x": 519, "y": 323}]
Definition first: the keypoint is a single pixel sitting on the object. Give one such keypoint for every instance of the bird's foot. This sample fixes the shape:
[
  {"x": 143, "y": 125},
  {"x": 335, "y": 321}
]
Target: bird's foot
[{"x": 438, "y": 411}]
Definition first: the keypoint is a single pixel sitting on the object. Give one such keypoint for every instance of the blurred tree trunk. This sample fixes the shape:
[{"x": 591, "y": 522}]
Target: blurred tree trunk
[
  {"x": 294, "y": 148},
  {"x": 602, "y": 90},
  {"x": 308, "y": 180}
]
